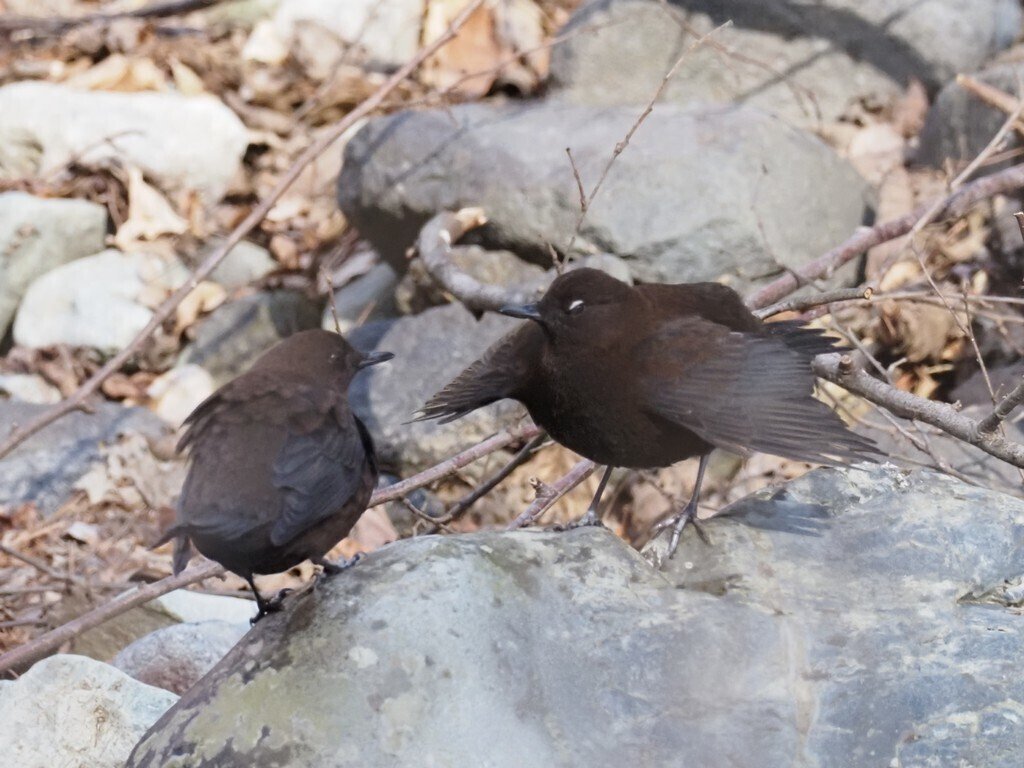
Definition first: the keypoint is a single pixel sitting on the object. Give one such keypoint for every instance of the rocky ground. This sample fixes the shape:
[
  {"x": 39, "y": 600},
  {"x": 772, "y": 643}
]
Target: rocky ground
[{"x": 842, "y": 618}]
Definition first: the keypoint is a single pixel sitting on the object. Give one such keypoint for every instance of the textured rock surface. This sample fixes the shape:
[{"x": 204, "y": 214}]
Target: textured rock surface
[
  {"x": 369, "y": 297},
  {"x": 899, "y": 599},
  {"x": 100, "y": 301},
  {"x": 44, "y": 467},
  {"x": 75, "y": 712},
  {"x": 229, "y": 340},
  {"x": 182, "y": 142},
  {"x": 244, "y": 264},
  {"x": 38, "y": 234},
  {"x": 669, "y": 206},
  {"x": 807, "y": 60},
  {"x": 430, "y": 349},
  {"x": 849, "y": 618},
  {"x": 175, "y": 657}
]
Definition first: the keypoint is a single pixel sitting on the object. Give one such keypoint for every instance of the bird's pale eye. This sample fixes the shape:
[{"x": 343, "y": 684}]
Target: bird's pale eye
[{"x": 575, "y": 306}]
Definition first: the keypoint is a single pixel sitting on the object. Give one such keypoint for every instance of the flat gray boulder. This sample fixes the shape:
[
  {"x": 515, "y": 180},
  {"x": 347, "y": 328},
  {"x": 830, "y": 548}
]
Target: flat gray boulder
[
  {"x": 849, "y": 618},
  {"x": 698, "y": 194},
  {"x": 808, "y": 61}
]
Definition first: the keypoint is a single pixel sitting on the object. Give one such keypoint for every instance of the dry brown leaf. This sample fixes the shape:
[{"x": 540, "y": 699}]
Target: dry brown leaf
[
  {"x": 475, "y": 49},
  {"x": 373, "y": 530},
  {"x": 150, "y": 215},
  {"x": 186, "y": 81},
  {"x": 921, "y": 332},
  {"x": 910, "y": 111},
  {"x": 121, "y": 73},
  {"x": 205, "y": 297}
]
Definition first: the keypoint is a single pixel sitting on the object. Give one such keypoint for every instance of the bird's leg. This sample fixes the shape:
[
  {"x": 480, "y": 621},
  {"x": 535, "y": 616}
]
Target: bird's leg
[
  {"x": 263, "y": 605},
  {"x": 332, "y": 568},
  {"x": 688, "y": 515},
  {"x": 592, "y": 517}
]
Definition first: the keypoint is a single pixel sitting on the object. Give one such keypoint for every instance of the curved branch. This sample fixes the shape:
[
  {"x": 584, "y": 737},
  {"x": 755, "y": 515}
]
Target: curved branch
[{"x": 435, "y": 249}]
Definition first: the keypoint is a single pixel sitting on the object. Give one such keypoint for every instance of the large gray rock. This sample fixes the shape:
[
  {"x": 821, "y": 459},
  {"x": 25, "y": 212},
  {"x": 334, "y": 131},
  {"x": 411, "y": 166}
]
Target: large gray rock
[
  {"x": 38, "y": 234},
  {"x": 181, "y": 142},
  {"x": 100, "y": 301},
  {"x": 175, "y": 657},
  {"x": 430, "y": 349},
  {"x": 849, "y": 618},
  {"x": 960, "y": 125},
  {"x": 229, "y": 340},
  {"x": 897, "y": 597},
  {"x": 698, "y": 194},
  {"x": 528, "y": 650},
  {"x": 807, "y": 60},
  {"x": 75, "y": 712},
  {"x": 44, "y": 467}
]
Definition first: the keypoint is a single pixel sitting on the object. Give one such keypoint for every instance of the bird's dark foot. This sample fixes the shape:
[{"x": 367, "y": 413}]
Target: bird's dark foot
[
  {"x": 677, "y": 523},
  {"x": 589, "y": 519},
  {"x": 273, "y": 605},
  {"x": 332, "y": 568}
]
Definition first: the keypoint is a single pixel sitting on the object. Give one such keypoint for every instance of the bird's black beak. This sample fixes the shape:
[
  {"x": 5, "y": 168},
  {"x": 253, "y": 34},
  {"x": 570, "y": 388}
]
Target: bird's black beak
[
  {"x": 523, "y": 312},
  {"x": 372, "y": 358}
]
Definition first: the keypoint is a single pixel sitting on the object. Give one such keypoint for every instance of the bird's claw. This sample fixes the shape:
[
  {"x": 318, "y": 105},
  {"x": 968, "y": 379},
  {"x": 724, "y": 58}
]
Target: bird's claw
[
  {"x": 332, "y": 568},
  {"x": 273, "y": 605},
  {"x": 678, "y": 523}
]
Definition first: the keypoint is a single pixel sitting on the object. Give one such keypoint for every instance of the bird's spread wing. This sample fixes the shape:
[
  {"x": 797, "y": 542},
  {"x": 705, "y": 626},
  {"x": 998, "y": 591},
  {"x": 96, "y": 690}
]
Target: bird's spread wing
[
  {"x": 498, "y": 374},
  {"x": 319, "y": 468},
  {"x": 745, "y": 392}
]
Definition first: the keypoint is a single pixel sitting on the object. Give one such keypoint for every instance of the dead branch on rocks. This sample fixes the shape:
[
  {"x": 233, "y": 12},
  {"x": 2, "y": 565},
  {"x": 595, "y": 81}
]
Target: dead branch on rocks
[
  {"x": 842, "y": 370},
  {"x": 435, "y": 246},
  {"x": 166, "y": 310},
  {"x": 952, "y": 206}
]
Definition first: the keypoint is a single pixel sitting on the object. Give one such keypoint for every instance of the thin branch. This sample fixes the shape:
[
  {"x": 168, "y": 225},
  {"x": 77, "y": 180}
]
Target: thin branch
[
  {"x": 46, "y": 644},
  {"x": 1003, "y": 409},
  {"x": 865, "y": 238},
  {"x": 621, "y": 146},
  {"x": 548, "y": 495},
  {"x": 434, "y": 246},
  {"x": 153, "y": 11},
  {"x": 817, "y": 300},
  {"x": 463, "y": 505},
  {"x": 840, "y": 369},
  {"x": 36, "y": 563},
  {"x": 166, "y": 310}
]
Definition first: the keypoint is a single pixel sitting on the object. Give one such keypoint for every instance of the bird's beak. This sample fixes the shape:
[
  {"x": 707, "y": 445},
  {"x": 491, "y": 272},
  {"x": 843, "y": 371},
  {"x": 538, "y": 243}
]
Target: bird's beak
[
  {"x": 523, "y": 312},
  {"x": 372, "y": 358}
]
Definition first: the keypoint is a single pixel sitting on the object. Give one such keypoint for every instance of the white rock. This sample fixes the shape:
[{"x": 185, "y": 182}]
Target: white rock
[
  {"x": 96, "y": 301},
  {"x": 389, "y": 30},
  {"x": 38, "y": 234},
  {"x": 28, "y": 388},
  {"x": 177, "y": 392},
  {"x": 76, "y": 712},
  {"x": 244, "y": 264},
  {"x": 180, "y": 142},
  {"x": 194, "y": 607}
]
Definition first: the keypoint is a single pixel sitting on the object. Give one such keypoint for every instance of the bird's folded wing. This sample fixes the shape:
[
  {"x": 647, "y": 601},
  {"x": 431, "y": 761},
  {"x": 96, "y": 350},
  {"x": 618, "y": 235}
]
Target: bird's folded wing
[
  {"x": 743, "y": 392},
  {"x": 496, "y": 375},
  {"x": 317, "y": 470}
]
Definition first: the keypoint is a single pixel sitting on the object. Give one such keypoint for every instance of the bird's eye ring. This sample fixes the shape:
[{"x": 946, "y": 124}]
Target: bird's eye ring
[{"x": 575, "y": 307}]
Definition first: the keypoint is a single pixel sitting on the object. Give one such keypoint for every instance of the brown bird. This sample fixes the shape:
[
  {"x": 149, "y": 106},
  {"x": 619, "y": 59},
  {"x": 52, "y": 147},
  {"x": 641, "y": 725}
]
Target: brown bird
[
  {"x": 647, "y": 376},
  {"x": 281, "y": 468}
]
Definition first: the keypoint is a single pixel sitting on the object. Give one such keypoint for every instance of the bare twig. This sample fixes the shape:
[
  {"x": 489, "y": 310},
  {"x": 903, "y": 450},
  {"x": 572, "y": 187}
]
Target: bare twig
[
  {"x": 548, "y": 495},
  {"x": 471, "y": 498},
  {"x": 816, "y": 300},
  {"x": 166, "y": 310},
  {"x": 36, "y": 563},
  {"x": 841, "y": 370},
  {"x": 621, "y": 146},
  {"x": 865, "y": 238},
  {"x": 434, "y": 246},
  {"x": 1003, "y": 409},
  {"x": 152, "y": 11}
]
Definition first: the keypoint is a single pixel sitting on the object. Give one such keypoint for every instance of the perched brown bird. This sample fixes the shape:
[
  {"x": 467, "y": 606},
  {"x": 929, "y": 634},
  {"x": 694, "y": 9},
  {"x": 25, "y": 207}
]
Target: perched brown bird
[
  {"x": 647, "y": 376},
  {"x": 281, "y": 469}
]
